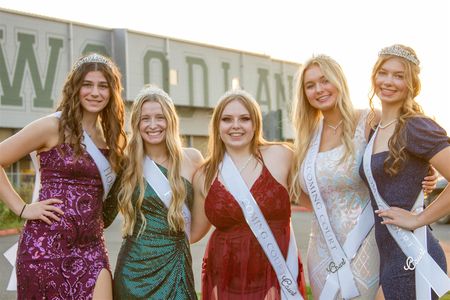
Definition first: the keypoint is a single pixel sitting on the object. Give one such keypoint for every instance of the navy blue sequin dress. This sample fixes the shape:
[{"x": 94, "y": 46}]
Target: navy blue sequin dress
[{"x": 424, "y": 139}]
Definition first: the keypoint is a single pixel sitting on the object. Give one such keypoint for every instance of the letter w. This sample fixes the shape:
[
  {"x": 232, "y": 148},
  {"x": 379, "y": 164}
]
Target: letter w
[{"x": 25, "y": 56}]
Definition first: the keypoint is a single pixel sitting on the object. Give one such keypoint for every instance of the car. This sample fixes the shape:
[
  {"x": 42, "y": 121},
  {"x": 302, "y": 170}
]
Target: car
[{"x": 440, "y": 186}]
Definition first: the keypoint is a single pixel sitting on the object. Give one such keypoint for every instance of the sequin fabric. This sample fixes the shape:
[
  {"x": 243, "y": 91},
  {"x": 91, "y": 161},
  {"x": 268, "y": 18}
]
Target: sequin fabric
[
  {"x": 345, "y": 195},
  {"x": 424, "y": 139},
  {"x": 158, "y": 263},
  {"x": 234, "y": 265},
  {"x": 63, "y": 260}
]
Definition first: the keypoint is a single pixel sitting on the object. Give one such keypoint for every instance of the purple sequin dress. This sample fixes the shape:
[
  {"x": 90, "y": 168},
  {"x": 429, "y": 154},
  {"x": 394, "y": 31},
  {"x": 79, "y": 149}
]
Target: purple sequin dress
[{"x": 63, "y": 260}]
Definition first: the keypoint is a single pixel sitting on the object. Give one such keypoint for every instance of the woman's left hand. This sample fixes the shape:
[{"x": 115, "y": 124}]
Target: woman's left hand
[
  {"x": 400, "y": 217},
  {"x": 430, "y": 181}
]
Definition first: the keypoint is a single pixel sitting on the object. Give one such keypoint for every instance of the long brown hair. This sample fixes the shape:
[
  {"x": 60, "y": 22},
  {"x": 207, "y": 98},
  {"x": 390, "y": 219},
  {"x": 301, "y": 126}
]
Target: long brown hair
[
  {"x": 111, "y": 117},
  {"x": 216, "y": 147},
  {"x": 410, "y": 108},
  {"x": 133, "y": 173}
]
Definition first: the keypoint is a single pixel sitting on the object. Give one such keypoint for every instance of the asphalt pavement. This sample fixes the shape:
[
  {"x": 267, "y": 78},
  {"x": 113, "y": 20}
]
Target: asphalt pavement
[{"x": 301, "y": 222}]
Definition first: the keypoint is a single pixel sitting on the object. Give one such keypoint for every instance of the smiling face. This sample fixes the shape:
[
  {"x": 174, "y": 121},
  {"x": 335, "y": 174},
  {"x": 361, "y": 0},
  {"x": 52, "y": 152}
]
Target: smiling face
[
  {"x": 94, "y": 92},
  {"x": 319, "y": 91},
  {"x": 153, "y": 123},
  {"x": 236, "y": 128},
  {"x": 390, "y": 84}
]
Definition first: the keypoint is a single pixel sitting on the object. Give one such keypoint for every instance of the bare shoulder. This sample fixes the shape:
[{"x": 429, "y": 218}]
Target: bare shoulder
[
  {"x": 377, "y": 116},
  {"x": 193, "y": 155},
  {"x": 44, "y": 129},
  {"x": 277, "y": 150},
  {"x": 277, "y": 157},
  {"x": 48, "y": 127},
  {"x": 198, "y": 181},
  {"x": 48, "y": 123},
  {"x": 39, "y": 135}
]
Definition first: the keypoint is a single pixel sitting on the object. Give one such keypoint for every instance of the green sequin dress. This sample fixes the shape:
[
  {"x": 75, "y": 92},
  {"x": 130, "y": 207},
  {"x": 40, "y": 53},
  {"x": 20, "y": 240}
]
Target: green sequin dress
[{"x": 158, "y": 264}]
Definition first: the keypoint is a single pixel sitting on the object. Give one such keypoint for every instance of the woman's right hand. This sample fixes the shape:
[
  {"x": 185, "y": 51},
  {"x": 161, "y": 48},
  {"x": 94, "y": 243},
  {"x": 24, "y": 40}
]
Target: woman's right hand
[{"x": 43, "y": 210}]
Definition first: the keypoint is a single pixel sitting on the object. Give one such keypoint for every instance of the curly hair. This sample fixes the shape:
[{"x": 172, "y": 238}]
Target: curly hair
[
  {"x": 410, "y": 108},
  {"x": 111, "y": 117}
]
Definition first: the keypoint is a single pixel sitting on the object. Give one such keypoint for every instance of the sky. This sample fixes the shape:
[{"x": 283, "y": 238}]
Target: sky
[{"x": 350, "y": 31}]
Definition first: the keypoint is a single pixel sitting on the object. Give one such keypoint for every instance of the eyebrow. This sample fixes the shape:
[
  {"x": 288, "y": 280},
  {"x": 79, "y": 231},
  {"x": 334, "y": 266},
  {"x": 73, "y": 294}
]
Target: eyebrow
[
  {"x": 320, "y": 78},
  {"x": 241, "y": 115},
  {"x": 396, "y": 72},
  {"x": 90, "y": 81}
]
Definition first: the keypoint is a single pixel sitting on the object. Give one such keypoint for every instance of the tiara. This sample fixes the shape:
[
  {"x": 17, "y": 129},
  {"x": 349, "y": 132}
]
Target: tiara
[
  {"x": 237, "y": 92},
  {"x": 153, "y": 90},
  {"x": 399, "y": 51},
  {"x": 324, "y": 57},
  {"x": 93, "y": 58}
]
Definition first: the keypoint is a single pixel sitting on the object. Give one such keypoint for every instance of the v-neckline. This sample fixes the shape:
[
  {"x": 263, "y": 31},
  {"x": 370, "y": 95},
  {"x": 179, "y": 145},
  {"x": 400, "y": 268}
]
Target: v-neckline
[{"x": 250, "y": 188}]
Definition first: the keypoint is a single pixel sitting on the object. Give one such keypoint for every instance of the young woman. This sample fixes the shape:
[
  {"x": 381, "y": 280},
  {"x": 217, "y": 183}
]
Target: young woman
[
  {"x": 62, "y": 252},
  {"x": 343, "y": 259},
  {"x": 244, "y": 185},
  {"x": 401, "y": 149},
  {"x": 156, "y": 198}
]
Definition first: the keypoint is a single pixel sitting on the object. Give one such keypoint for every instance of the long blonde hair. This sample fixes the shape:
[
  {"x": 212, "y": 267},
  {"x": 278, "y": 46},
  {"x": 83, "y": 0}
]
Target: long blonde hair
[
  {"x": 133, "y": 173},
  {"x": 409, "y": 108},
  {"x": 305, "y": 118},
  {"x": 112, "y": 117},
  {"x": 216, "y": 147}
]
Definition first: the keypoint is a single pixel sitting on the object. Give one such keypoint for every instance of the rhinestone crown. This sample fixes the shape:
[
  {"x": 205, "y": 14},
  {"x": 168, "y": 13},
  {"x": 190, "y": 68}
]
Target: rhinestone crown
[
  {"x": 93, "y": 58},
  {"x": 399, "y": 51},
  {"x": 237, "y": 92},
  {"x": 153, "y": 90}
]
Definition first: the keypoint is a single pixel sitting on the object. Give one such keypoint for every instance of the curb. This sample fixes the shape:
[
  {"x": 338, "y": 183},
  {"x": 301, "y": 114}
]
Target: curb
[{"x": 11, "y": 231}]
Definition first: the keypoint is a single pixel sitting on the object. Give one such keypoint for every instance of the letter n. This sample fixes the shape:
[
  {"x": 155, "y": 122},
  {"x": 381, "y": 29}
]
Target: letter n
[{"x": 191, "y": 61}]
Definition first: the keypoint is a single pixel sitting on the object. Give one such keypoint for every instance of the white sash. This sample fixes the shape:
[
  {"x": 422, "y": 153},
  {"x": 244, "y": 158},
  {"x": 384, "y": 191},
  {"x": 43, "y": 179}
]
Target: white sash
[
  {"x": 161, "y": 186},
  {"x": 287, "y": 271},
  {"x": 340, "y": 275},
  {"x": 428, "y": 272},
  {"x": 106, "y": 173}
]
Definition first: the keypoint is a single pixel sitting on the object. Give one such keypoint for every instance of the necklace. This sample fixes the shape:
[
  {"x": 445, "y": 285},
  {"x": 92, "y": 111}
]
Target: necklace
[
  {"x": 160, "y": 163},
  {"x": 246, "y": 164},
  {"x": 334, "y": 127},
  {"x": 387, "y": 125}
]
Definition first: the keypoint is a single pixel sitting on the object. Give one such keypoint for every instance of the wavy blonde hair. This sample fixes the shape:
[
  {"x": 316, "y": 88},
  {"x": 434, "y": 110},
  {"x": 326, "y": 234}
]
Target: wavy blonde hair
[
  {"x": 132, "y": 177},
  {"x": 216, "y": 147},
  {"x": 410, "y": 108},
  {"x": 112, "y": 117},
  {"x": 305, "y": 117}
]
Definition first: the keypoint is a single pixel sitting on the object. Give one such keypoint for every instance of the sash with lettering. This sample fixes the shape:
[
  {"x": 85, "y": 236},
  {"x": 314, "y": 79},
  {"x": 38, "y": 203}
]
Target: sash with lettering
[
  {"x": 156, "y": 179},
  {"x": 286, "y": 271},
  {"x": 427, "y": 271},
  {"x": 108, "y": 176},
  {"x": 340, "y": 276}
]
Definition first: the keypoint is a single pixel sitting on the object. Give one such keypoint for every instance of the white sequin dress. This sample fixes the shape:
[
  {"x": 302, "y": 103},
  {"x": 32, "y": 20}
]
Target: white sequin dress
[{"x": 345, "y": 195}]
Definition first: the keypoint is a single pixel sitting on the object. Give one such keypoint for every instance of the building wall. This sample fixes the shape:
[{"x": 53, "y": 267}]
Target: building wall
[{"x": 36, "y": 54}]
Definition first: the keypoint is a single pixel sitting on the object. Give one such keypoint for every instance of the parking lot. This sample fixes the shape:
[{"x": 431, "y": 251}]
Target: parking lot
[{"x": 301, "y": 222}]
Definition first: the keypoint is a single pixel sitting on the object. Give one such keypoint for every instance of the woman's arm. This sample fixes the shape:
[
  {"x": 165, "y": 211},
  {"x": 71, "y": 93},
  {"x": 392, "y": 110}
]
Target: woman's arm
[
  {"x": 200, "y": 224},
  {"x": 39, "y": 135},
  {"x": 304, "y": 201},
  {"x": 436, "y": 210},
  {"x": 111, "y": 203}
]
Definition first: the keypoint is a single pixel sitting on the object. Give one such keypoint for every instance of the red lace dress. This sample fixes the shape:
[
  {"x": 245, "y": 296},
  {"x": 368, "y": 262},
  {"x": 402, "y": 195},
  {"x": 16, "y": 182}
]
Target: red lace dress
[{"x": 234, "y": 265}]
